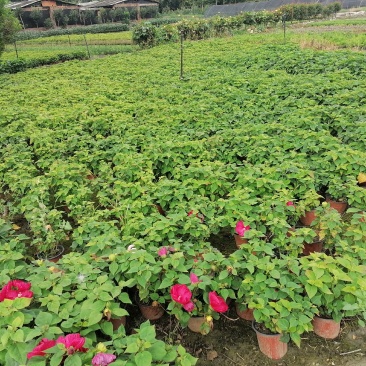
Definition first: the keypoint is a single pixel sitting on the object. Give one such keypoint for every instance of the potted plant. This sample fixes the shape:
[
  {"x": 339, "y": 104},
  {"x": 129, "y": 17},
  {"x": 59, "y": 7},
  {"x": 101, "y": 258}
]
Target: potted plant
[
  {"x": 203, "y": 293},
  {"x": 336, "y": 194},
  {"x": 271, "y": 287},
  {"x": 336, "y": 286},
  {"x": 307, "y": 205}
]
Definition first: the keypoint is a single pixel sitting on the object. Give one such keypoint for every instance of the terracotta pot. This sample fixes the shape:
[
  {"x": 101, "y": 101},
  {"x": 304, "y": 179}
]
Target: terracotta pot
[
  {"x": 55, "y": 257},
  {"x": 270, "y": 344},
  {"x": 326, "y": 328},
  {"x": 151, "y": 312},
  {"x": 316, "y": 246},
  {"x": 196, "y": 324},
  {"x": 239, "y": 240},
  {"x": 118, "y": 322},
  {"x": 337, "y": 205},
  {"x": 246, "y": 314},
  {"x": 308, "y": 218}
]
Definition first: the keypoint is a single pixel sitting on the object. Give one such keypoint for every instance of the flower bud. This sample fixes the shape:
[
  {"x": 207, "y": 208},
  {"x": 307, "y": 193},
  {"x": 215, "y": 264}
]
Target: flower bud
[
  {"x": 112, "y": 257},
  {"x": 101, "y": 348}
]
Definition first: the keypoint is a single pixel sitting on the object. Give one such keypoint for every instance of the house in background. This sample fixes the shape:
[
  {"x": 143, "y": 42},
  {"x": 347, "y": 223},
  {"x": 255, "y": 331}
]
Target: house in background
[{"x": 45, "y": 9}]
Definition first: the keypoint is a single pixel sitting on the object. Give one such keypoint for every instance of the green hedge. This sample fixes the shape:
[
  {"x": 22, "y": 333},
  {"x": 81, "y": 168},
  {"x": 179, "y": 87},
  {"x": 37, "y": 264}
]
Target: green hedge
[
  {"x": 94, "y": 28},
  {"x": 148, "y": 34},
  {"x": 14, "y": 66}
]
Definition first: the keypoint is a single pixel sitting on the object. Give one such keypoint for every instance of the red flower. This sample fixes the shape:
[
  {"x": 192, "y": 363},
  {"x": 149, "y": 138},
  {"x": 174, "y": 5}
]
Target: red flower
[
  {"x": 217, "y": 303},
  {"x": 72, "y": 343},
  {"x": 240, "y": 228},
  {"x": 189, "y": 306},
  {"x": 42, "y": 346},
  {"x": 290, "y": 203},
  {"x": 181, "y": 294},
  {"x": 14, "y": 289}
]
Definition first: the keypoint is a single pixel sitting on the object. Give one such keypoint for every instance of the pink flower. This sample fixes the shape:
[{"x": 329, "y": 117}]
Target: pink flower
[
  {"x": 14, "y": 289},
  {"x": 181, "y": 294},
  {"x": 189, "y": 306},
  {"x": 194, "y": 279},
  {"x": 72, "y": 342},
  {"x": 217, "y": 303},
  {"x": 43, "y": 345},
  {"x": 163, "y": 251},
  {"x": 290, "y": 203},
  {"x": 103, "y": 359},
  {"x": 240, "y": 228}
]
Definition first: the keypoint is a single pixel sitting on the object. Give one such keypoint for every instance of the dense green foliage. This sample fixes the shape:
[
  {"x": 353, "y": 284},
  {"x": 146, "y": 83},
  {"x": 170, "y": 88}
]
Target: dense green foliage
[
  {"x": 95, "y": 28},
  {"x": 14, "y": 66},
  {"x": 103, "y": 155}
]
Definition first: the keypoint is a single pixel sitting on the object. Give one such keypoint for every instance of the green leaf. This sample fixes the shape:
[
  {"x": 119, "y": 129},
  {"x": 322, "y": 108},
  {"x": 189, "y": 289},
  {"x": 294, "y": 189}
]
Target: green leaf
[
  {"x": 16, "y": 351},
  {"x": 73, "y": 360},
  {"x": 18, "y": 321},
  {"x": 94, "y": 317},
  {"x": 143, "y": 359},
  {"x": 32, "y": 334},
  {"x": 43, "y": 319},
  {"x": 107, "y": 328},
  {"x": 158, "y": 351},
  {"x": 132, "y": 348},
  {"x": 311, "y": 290},
  {"x": 113, "y": 268}
]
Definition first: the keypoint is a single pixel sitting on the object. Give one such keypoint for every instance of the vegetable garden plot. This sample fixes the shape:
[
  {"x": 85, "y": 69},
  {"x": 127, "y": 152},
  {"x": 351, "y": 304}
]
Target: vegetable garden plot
[{"x": 118, "y": 162}]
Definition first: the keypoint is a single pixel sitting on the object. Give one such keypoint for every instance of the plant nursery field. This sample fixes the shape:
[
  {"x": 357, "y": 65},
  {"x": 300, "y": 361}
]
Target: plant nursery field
[{"x": 146, "y": 180}]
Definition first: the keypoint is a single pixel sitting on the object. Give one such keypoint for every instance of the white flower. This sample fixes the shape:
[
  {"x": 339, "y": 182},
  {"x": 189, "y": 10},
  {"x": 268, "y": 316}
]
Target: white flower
[
  {"x": 131, "y": 248},
  {"x": 81, "y": 277}
]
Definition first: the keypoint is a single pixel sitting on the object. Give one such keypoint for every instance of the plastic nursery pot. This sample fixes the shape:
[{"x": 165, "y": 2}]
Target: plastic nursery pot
[
  {"x": 54, "y": 257},
  {"x": 118, "y": 322},
  {"x": 341, "y": 207},
  {"x": 326, "y": 328},
  {"x": 316, "y": 246},
  {"x": 246, "y": 314},
  {"x": 239, "y": 240},
  {"x": 308, "y": 218},
  {"x": 197, "y": 324},
  {"x": 151, "y": 312},
  {"x": 270, "y": 344}
]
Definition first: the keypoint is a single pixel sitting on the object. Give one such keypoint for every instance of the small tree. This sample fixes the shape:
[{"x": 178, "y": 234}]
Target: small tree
[
  {"x": 90, "y": 16},
  {"x": 73, "y": 17},
  {"x": 36, "y": 16},
  {"x": 103, "y": 15},
  {"x": 64, "y": 20},
  {"x": 18, "y": 12},
  {"x": 58, "y": 15},
  {"x": 9, "y": 25},
  {"x": 48, "y": 23}
]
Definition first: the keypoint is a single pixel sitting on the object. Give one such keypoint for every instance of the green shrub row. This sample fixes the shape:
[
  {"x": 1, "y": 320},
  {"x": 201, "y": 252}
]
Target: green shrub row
[
  {"x": 94, "y": 28},
  {"x": 148, "y": 35},
  {"x": 14, "y": 66}
]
